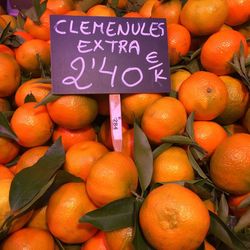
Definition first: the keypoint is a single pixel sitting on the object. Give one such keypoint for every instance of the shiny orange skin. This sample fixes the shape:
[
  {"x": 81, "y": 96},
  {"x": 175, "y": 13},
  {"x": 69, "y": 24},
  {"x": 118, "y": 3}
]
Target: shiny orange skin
[
  {"x": 168, "y": 213},
  {"x": 7, "y": 50},
  {"x": 26, "y": 54},
  {"x": 100, "y": 10},
  {"x": 132, "y": 14},
  {"x": 35, "y": 120},
  {"x": 60, "y": 7},
  {"x": 179, "y": 41},
  {"x": 169, "y": 10},
  {"x": 30, "y": 157},
  {"x": 128, "y": 142},
  {"x": 147, "y": 7},
  {"x": 39, "y": 30},
  {"x": 81, "y": 156},
  {"x": 5, "y": 173},
  {"x": 9, "y": 149},
  {"x": 37, "y": 89},
  {"x": 78, "y": 111},
  {"x": 65, "y": 207},
  {"x": 238, "y": 12},
  {"x": 230, "y": 164},
  {"x": 29, "y": 238},
  {"x": 112, "y": 177},
  {"x": 23, "y": 35},
  {"x": 218, "y": 51},
  {"x": 71, "y": 137},
  {"x": 97, "y": 242},
  {"x": 234, "y": 201},
  {"x": 205, "y": 94},
  {"x": 166, "y": 116},
  {"x": 209, "y": 135},
  {"x": 10, "y": 75},
  {"x": 203, "y": 17}
]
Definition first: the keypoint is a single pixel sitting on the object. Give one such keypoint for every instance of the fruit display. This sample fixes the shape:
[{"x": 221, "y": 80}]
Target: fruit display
[{"x": 181, "y": 180}]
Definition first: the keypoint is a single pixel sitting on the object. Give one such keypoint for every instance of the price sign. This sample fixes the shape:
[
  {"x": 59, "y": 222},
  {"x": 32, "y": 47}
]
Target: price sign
[{"x": 93, "y": 55}]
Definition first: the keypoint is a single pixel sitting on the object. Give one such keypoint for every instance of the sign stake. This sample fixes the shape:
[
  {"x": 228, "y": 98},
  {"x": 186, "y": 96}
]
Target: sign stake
[{"x": 116, "y": 121}]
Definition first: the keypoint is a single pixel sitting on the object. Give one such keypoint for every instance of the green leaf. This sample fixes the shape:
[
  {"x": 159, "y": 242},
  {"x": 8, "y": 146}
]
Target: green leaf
[
  {"x": 5, "y": 129},
  {"x": 190, "y": 126},
  {"x": 221, "y": 231},
  {"x": 143, "y": 157},
  {"x": 164, "y": 146},
  {"x": 139, "y": 241},
  {"x": 195, "y": 165},
  {"x": 30, "y": 98},
  {"x": 179, "y": 139},
  {"x": 243, "y": 222},
  {"x": 28, "y": 182},
  {"x": 5, "y": 33},
  {"x": 114, "y": 3},
  {"x": 39, "y": 8},
  {"x": 223, "y": 210},
  {"x": 49, "y": 98},
  {"x": 115, "y": 215}
]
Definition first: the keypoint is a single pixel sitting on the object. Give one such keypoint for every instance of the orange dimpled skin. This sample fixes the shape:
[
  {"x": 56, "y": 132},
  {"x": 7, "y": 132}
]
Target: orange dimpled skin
[
  {"x": 218, "y": 51},
  {"x": 9, "y": 149},
  {"x": 32, "y": 125},
  {"x": 101, "y": 10},
  {"x": 205, "y": 94},
  {"x": 112, "y": 177},
  {"x": 97, "y": 242},
  {"x": 66, "y": 206}
]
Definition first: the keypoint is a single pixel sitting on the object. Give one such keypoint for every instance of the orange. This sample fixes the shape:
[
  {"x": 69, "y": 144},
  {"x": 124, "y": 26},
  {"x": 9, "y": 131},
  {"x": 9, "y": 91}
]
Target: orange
[
  {"x": 205, "y": 94},
  {"x": 7, "y": 50},
  {"x": 11, "y": 20},
  {"x": 234, "y": 201},
  {"x": 4, "y": 105},
  {"x": 179, "y": 41},
  {"x": 112, "y": 177},
  {"x": 30, "y": 157},
  {"x": 128, "y": 143},
  {"x": 29, "y": 238},
  {"x": 37, "y": 89},
  {"x": 78, "y": 111},
  {"x": 230, "y": 164},
  {"x": 172, "y": 165},
  {"x": 208, "y": 246},
  {"x": 218, "y": 51},
  {"x": 10, "y": 75},
  {"x": 41, "y": 29},
  {"x": 167, "y": 215},
  {"x": 104, "y": 135},
  {"x": 204, "y": 17},
  {"x": 60, "y": 7},
  {"x": 38, "y": 219},
  {"x": 66, "y": 205},
  {"x": 101, "y": 10},
  {"x": 209, "y": 135},
  {"x": 5, "y": 173},
  {"x": 238, "y": 12},
  {"x": 238, "y": 96},
  {"x": 97, "y": 242},
  {"x": 81, "y": 156},
  {"x": 210, "y": 205},
  {"x": 246, "y": 119},
  {"x": 70, "y": 137},
  {"x": 177, "y": 78},
  {"x": 31, "y": 52},
  {"x": 8, "y": 150},
  {"x": 120, "y": 239},
  {"x": 169, "y": 10},
  {"x": 132, "y": 14},
  {"x": 121, "y": 4},
  {"x": 134, "y": 105},
  {"x": 5, "y": 208},
  {"x": 146, "y": 8},
  {"x": 166, "y": 116},
  {"x": 23, "y": 35},
  {"x": 32, "y": 126}
]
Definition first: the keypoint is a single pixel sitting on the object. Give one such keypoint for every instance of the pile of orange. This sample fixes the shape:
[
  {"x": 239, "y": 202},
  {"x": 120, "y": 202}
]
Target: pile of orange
[{"x": 213, "y": 93}]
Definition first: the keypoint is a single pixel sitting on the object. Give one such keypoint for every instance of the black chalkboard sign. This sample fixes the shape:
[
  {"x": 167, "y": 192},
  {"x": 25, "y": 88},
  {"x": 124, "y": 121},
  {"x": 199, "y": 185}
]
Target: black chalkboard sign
[{"x": 108, "y": 55}]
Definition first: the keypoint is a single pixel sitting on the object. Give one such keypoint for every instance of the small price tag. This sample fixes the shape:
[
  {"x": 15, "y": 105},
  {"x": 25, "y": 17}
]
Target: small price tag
[{"x": 116, "y": 121}]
